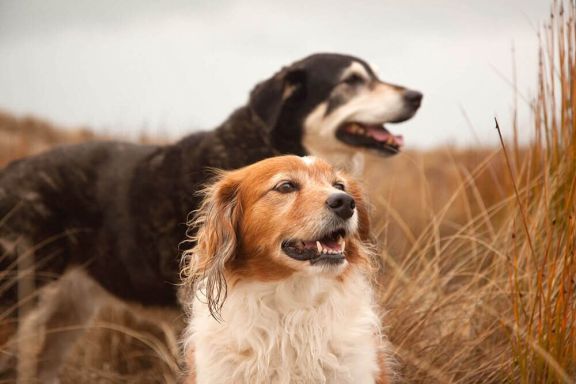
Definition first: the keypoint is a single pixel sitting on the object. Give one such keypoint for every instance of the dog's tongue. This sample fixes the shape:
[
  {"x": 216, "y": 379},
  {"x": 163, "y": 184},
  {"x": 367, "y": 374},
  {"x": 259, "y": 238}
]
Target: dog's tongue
[{"x": 382, "y": 134}]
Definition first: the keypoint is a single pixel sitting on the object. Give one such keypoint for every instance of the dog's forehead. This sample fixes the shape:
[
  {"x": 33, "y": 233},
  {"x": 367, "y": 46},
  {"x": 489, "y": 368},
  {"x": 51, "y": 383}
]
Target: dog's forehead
[
  {"x": 334, "y": 64},
  {"x": 310, "y": 170},
  {"x": 308, "y": 165},
  {"x": 317, "y": 167},
  {"x": 278, "y": 168}
]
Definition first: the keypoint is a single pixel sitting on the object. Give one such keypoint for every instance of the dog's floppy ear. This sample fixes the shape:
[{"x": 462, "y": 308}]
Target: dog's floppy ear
[
  {"x": 269, "y": 97},
  {"x": 216, "y": 241}
]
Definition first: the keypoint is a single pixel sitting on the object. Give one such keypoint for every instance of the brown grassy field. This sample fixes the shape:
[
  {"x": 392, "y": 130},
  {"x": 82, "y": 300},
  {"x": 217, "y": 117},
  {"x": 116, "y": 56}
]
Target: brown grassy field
[
  {"x": 24, "y": 136},
  {"x": 478, "y": 247}
]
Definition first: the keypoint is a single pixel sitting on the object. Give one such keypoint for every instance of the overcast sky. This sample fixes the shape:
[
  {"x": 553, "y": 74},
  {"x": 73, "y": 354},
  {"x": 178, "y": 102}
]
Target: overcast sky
[{"x": 171, "y": 67}]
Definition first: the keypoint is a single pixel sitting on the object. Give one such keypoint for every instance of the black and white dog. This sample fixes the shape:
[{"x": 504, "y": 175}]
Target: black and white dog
[{"x": 107, "y": 218}]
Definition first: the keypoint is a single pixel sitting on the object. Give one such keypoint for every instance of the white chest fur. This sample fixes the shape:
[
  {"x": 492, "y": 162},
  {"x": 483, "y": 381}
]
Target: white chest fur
[{"x": 301, "y": 330}]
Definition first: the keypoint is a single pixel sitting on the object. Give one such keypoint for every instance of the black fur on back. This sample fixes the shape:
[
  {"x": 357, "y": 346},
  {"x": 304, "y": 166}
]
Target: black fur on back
[{"x": 120, "y": 209}]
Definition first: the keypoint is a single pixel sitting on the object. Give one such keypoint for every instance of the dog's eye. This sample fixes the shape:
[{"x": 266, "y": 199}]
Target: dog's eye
[
  {"x": 286, "y": 187},
  {"x": 339, "y": 186},
  {"x": 354, "y": 79}
]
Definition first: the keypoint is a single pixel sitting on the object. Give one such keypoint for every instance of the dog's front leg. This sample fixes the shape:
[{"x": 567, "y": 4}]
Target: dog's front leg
[{"x": 65, "y": 309}]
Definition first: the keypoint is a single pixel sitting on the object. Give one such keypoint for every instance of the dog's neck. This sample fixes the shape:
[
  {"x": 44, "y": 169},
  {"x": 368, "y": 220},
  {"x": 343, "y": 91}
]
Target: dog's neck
[
  {"x": 353, "y": 162},
  {"x": 241, "y": 140}
]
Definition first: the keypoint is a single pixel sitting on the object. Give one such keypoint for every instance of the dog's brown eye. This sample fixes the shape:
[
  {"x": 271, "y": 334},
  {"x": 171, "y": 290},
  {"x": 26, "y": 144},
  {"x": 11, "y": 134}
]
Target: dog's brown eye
[
  {"x": 354, "y": 79},
  {"x": 339, "y": 186},
  {"x": 286, "y": 187}
]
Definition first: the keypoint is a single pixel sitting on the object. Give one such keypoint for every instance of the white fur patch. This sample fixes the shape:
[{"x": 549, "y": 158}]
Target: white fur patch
[
  {"x": 308, "y": 160},
  {"x": 305, "y": 329}
]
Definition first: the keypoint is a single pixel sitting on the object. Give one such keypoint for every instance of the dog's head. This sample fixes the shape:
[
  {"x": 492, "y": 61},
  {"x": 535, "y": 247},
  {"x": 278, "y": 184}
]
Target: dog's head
[
  {"x": 334, "y": 105},
  {"x": 281, "y": 216}
]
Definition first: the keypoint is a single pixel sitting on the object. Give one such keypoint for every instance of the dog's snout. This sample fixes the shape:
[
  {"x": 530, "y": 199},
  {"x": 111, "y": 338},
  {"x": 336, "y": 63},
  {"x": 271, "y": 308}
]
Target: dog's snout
[
  {"x": 414, "y": 98},
  {"x": 341, "y": 204}
]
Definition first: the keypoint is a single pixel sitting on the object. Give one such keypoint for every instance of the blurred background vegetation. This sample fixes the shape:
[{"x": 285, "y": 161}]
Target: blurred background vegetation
[{"x": 478, "y": 244}]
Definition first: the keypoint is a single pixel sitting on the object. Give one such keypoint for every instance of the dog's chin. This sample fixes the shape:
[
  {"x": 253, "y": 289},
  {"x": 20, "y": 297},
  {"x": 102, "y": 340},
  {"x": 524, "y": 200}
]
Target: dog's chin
[{"x": 328, "y": 250}]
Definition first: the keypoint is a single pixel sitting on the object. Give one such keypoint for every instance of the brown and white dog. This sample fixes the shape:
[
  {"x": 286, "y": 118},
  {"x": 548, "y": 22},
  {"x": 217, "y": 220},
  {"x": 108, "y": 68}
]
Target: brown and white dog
[{"x": 278, "y": 282}]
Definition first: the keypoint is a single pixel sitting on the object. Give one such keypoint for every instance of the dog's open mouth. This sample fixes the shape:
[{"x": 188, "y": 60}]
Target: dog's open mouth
[
  {"x": 328, "y": 249},
  {"x": 371, "y": 136}
]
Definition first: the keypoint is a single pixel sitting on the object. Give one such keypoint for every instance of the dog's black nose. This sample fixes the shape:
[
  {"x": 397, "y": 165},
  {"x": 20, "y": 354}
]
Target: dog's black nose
[
  {"x": 341, "y": 204},
  {"x": 414, "y": 98}
]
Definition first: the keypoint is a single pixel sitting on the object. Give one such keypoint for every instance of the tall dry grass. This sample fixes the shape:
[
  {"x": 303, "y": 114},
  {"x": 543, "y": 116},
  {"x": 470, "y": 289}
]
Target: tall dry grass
[
  {"x": 479, "y": 250},
  {"x": 485, "y": 290}
]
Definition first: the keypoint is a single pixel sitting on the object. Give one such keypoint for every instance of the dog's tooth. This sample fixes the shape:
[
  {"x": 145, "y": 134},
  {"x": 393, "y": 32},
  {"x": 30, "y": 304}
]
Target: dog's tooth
[
  {"x": 343, "y": 245},
  {"x": 319, "y": 246}
]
